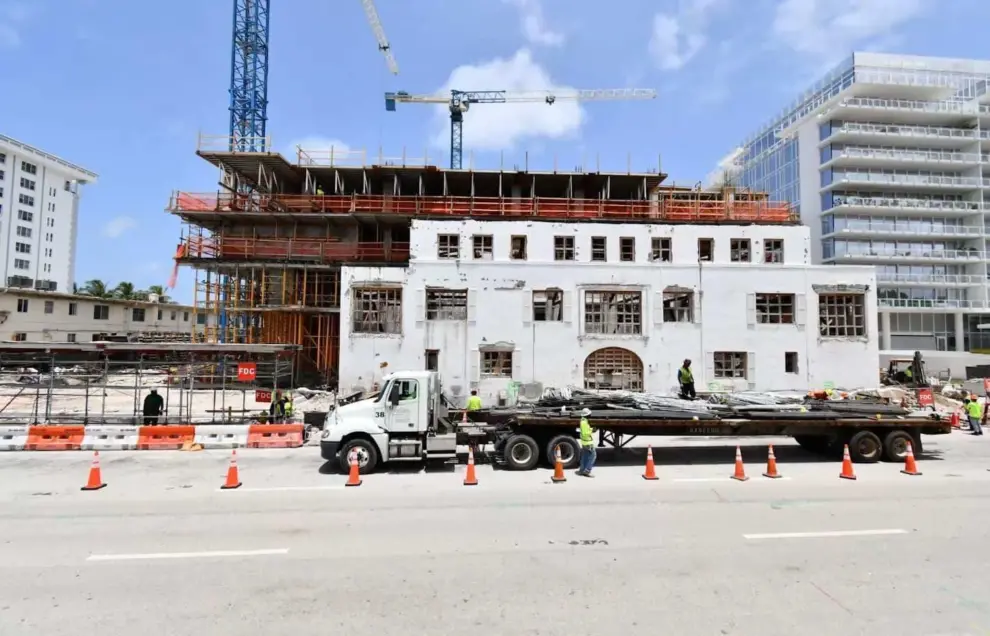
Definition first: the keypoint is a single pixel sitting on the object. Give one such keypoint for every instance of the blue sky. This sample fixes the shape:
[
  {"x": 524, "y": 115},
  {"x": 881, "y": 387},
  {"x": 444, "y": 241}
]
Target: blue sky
[{"x": 123, "y": 90}]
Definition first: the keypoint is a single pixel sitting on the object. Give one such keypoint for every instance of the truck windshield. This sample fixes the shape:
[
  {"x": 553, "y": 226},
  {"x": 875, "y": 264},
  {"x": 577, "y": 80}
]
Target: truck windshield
[{"x": 382, "y": 393}]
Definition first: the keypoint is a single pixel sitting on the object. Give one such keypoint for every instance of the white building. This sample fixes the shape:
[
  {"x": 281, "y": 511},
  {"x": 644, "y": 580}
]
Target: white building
[
  {"x": 887, "y": 159},
  {"x": 34, "y": 316},
  {"x": 39, "y": 217},
  {"x": 496, "y": 305}
]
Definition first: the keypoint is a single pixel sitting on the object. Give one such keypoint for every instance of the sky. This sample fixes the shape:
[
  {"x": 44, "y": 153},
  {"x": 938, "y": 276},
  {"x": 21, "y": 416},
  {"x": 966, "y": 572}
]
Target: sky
[{"x": 124, "y": 90}]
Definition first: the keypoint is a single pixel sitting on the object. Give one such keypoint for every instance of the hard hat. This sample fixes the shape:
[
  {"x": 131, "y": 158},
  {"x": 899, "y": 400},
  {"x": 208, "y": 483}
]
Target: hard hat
[{"x": 585, "y": 412}]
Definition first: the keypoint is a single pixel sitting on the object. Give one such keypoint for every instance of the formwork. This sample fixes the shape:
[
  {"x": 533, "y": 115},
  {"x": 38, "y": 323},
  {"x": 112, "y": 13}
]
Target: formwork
[{"x": 268, "y": 247}]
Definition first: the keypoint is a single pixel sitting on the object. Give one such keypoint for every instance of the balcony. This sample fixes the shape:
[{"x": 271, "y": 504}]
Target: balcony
[
  {"x": 885, "y": 134},
  {"x": 907, "y": 181},
  {"x": 929, "y": 303},
  {"x": 918, "y": 255},
  {"x": 903, "y": 110},
  {"x": 914, "y": 207},
  {"x": 890, "y": 157},
  {"x": 928, "y": 280},
  {"x": 299, "y": 250},
  {"x": 873, "y": 229}
]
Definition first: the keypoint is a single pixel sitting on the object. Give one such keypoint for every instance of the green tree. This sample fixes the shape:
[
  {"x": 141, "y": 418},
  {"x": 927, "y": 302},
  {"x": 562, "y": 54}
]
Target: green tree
[
  {"x": 125, "y": 291},
  {"x": 96, "y": 288},
  {"x": 162, "y": 296}
]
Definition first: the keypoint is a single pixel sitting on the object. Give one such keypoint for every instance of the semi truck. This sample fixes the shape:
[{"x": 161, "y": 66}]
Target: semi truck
[{"x": 409, "y": 420}]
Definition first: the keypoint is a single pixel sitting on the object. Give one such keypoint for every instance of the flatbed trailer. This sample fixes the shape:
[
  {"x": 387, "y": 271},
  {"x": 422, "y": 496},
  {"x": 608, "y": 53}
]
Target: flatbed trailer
[{"x": 408, "y": 421}]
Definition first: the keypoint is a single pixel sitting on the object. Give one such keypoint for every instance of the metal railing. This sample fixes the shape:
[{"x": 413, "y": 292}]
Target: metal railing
[
  {"x": 921, "y": 254},
  {"x": 316, "y": 250},
  {"x": 909, "y": 179},
  {"x": 935, "y": 279},
  {"x": 949, "y": 108},
  {"x": 908, "y": 204},
  {"x": 930, "y": 303},
  {"x": 934, "y": 156},
  {"x": 948, "y": 230},
  {"x": 901, "y": 130}
]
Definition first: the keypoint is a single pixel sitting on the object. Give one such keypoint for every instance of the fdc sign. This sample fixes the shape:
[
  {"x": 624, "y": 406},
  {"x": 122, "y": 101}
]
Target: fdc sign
[{"x": 247, "y": 371}]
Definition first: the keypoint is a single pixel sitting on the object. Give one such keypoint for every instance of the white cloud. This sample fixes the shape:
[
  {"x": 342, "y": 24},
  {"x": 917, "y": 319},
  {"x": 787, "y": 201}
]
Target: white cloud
[
  {"x": 828, "y": 29},
  {"x": 679, "y": 36},
  {"x": 494, "y": 127},
  {"x": 118, "y": 226},
  {"x": 533, "y": 23},
  {"x": 13, "y": 15}
]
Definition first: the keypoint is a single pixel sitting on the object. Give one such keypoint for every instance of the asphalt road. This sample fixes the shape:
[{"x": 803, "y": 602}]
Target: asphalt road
[{"x": 162, "y": 550}]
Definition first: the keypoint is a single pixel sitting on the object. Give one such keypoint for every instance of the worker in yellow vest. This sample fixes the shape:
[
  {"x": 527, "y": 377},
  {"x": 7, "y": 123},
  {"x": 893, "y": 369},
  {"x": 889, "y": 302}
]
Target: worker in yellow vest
[
  {"x": 474, "y": 402},
  {"x": 288, "y": 408}
]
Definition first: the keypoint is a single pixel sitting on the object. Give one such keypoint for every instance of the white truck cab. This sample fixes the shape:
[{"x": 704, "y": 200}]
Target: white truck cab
[{"x": 405, "y": 421}]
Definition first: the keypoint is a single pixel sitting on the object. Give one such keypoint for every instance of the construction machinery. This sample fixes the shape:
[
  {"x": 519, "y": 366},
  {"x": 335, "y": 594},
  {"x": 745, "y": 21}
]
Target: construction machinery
[
  {"x": 458, "y": 102},
  {"x": 909, "y": 372}
]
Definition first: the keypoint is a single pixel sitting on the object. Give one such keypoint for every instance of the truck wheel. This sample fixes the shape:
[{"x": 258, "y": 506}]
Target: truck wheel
[
  {"x": 895, "y": 446},
  {"x": 570, "y": 451},
  {"x": 820, "y": 444},
  {"x": 521, "y": 453},
  {"x": 865, "y": 447},
  {"x": 367, "y": 456}
]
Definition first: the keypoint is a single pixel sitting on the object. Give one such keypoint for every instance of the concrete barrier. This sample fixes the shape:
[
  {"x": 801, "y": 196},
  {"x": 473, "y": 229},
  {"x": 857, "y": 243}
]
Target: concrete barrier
[
  {"x": 108, "y": 437},
  {"x": 13, "y": 438}
]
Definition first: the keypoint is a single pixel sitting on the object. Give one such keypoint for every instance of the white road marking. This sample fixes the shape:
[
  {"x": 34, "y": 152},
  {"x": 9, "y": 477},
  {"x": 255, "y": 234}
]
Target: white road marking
[
  {"x": 833, "y": 533},
  {"x": 185, "y": 555},
  {"x": 281, "y": 489},
  {"x": 692, "y": 480}
]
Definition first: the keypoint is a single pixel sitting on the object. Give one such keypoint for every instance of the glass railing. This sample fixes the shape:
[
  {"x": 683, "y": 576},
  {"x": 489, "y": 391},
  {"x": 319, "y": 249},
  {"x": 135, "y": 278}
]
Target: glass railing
[
  {"x": 941, "y": 279},
  {"x": 909, "y": 179},
  {"x": 902, "y": 130},
  {"x": 925, "y": 303},
  {"x": 911, "y": 204},
  {"x": 908, "y": 155},
  {"x": 917, "y": 253},
  {"x": 882, "y": 228},
  {"x": 910, "y": 104}
]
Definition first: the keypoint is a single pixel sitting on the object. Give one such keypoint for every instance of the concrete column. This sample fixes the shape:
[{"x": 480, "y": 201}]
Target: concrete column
[
  {"x": 884, "y": 331},
  {"x": 960, "y": 332}
]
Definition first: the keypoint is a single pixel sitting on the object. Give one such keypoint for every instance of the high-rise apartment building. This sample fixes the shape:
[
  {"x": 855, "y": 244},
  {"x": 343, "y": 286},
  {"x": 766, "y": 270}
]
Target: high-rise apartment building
[
  {"x": 887, "y": 159},
  {"x": 39, "y": 217}
]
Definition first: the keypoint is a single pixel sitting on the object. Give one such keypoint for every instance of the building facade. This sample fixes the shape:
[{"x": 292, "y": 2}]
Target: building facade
[
  {"x": 505, "y": 305},
  {"x": 34, "y": 316},
  {"x": 39, "y": 217},
  {"x": 887, "y": 159}
]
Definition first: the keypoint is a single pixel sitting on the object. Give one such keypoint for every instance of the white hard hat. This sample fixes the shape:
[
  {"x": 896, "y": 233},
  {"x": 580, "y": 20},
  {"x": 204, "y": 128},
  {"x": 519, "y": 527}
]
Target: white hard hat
[{"x": 585, "y": 412}]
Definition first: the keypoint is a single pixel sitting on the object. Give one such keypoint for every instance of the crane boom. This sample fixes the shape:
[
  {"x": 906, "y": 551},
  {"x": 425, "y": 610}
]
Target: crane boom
[
  {"x": 379, "y": 31},
  {"x": 460, "y": 101}
]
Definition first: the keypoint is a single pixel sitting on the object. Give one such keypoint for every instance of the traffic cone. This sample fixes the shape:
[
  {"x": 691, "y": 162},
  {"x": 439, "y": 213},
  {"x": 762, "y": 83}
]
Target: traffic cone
[
  {"x": 847, "y": 464},
  {"x": 233, "y": 479},
  {"x": 954, "y": 420},
  {"x": 910, "y": 467},
  {"x": 771, "y": 465},
  {"x": 470, "y": 479},
  {"x": 464, "y": 419},
  {"x": 558, "y": 468},
  {"x": 354, "y": 477},
  {"x": 95, "y": 479},
  {"x": 740, "y": 474},
  {"x": 651, "y": 469}
]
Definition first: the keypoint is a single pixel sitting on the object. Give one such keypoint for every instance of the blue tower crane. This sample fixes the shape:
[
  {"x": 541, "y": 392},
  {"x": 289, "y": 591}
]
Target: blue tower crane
[
  {"x": 249, "y": 76},
  {"x": 459, "y": 101}
]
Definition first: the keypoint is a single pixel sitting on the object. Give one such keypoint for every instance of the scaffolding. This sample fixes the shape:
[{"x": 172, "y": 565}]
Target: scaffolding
[{"x": 106, "y": 383}]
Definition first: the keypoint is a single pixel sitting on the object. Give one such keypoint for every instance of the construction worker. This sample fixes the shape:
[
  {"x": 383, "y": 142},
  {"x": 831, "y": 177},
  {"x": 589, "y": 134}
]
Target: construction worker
[
  {"x": 686, "y": 379},
  {"x": 319, "y": 191},
  {"x": 152, "y": 408},
  {"x": 588, "y": 452},
  {"x": 474, "y": 402},
  {"x": 288, "y": 407},
  {"x": 277, "y": 409},
  {"x": 975, "y": 412}
]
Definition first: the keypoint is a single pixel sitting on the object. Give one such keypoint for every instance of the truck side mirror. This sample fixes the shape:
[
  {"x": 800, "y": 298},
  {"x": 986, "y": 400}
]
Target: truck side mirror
[{"x": 393, "y": 396}]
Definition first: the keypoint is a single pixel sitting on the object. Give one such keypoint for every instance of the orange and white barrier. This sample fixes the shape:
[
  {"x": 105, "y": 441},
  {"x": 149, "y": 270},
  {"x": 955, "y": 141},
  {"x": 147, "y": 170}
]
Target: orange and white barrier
[{"x": 106, "y": 437}]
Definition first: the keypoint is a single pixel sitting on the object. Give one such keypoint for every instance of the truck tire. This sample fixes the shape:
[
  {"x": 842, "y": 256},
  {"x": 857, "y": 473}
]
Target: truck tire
[
  {"x": 865, "y": 447},
  {"x": 819, "y": 444},
  {"x": 521, "y": 453},
  {"x": 570, "y": 451},
  {"x": 367, "y": 456},
  {"x": 895, "y": 446}
]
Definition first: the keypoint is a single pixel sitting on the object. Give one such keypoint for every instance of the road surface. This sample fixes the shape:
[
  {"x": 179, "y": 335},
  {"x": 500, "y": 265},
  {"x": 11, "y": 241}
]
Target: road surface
[{"x": 162, "y": 550}]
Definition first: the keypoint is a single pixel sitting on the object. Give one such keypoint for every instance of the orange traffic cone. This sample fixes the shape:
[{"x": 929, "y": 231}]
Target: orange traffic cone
[
  {"x": 740, "y": 474},
  {"x": 95, "y": 480},
  {"x": 772, "y": 465},
  {"x": 847, "y": 465},
  {"x": 354, "y": 477},
  {"x": 910, "y": 467},
  {"x": 464, "y": 419},
  {"x": 651, "y": 469},
  {"x": 233, "y": 480},
  {"x": 470, "y": 479},
  {"x": 954, "y": 421},
  {"x": 558, "y": 468}
]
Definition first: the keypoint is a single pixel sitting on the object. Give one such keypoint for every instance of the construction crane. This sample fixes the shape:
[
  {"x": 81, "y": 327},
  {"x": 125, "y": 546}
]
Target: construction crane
[
  {"x": 459, "y": 101},
  {"x": 249, "y": 71}
]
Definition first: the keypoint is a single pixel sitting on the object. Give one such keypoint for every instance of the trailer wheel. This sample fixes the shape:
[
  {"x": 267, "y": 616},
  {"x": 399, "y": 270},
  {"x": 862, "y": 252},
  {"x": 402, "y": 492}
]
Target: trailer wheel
[
  {"x": 367, "y": 456},
  {"x": 570, "y": 451},
  {"x": 521, "y": 453},
  {"x": 865, "y": 447},
  {"x": 820, "y": 444},
  {"x": 895, "y": 446}
]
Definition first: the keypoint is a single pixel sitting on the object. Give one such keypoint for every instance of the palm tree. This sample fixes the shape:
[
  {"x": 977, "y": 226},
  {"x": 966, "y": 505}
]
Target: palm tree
[
  {"x": 125, "y": 291},
  {"x": 96, "y": 288},
  {"x": 162, "y": 296}
]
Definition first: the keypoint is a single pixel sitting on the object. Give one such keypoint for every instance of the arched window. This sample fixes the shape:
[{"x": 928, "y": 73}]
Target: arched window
[{"x": 613, "y": 368}]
